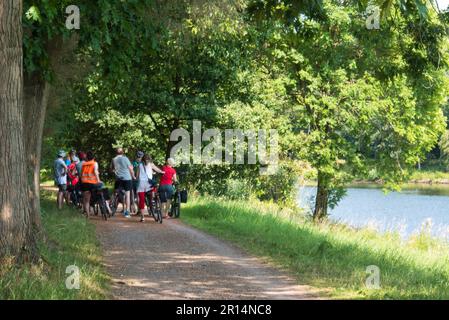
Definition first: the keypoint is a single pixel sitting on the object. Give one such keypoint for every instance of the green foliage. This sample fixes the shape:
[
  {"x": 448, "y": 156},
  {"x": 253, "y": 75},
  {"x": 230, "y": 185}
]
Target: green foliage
[
  {"x": 444, "y": 147},
  {"x": 363, "y": 99},
  {"x": 348, "y": 100},
  {"x": 281, "y": 186}
]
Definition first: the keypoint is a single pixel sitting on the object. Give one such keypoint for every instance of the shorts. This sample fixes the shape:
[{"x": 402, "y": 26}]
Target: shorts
[
  {"x": 62, "y": 187},
  {"x": 166, "y": 192},
  {"x": 126, "y": 185},
  {"x": 85, "y": 187}
]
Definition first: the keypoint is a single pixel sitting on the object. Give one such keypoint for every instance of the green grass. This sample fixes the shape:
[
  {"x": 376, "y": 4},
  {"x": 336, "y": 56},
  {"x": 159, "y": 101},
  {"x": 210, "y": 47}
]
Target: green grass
[
  {"x": 329, "y": 256},
  {"x": 432, "y": 175},
  {"x": 70, "y": 240}
]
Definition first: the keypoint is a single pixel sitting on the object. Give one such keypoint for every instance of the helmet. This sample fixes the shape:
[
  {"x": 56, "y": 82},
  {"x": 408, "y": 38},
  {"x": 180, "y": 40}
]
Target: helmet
[
  {"x": 82, "y": 156},
  {"x": 140, "y": 154},
  {"x": 61, "y": 153}
]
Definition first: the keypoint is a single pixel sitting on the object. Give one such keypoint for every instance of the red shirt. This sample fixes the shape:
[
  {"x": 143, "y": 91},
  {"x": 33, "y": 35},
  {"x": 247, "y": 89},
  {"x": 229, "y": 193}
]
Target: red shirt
[{"x": 167, "y": 177}]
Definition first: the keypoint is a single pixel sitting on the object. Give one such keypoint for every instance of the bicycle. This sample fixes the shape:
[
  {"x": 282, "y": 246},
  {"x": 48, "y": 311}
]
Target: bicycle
[
  {"x": 154, "y": 205},
  {"x": 117, "y": 198},
  {"x": 179, "y": 196},
  {"x": 175, "y": 208},
  {"x": 98, "y": 202},
  {"x": 76, "y": 196}
]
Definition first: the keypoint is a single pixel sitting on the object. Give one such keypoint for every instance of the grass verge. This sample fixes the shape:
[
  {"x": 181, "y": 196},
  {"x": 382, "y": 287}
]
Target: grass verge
[
  {"x": 433, "y": 176},
  {"x": 71, "y": 240},
  {"x": 329, "y": 256}
]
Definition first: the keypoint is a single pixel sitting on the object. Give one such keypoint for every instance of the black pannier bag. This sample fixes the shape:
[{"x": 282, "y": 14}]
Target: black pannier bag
[{"x": 183, "y": 196}]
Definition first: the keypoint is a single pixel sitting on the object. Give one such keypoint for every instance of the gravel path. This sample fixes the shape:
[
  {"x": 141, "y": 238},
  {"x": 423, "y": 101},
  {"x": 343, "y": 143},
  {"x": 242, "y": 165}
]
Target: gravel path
[{"x": 174, "y": 261}]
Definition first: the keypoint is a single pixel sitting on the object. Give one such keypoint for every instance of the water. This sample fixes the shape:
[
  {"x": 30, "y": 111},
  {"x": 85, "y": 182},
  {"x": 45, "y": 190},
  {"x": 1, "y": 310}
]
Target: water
[{"x": 405, "y": 212}]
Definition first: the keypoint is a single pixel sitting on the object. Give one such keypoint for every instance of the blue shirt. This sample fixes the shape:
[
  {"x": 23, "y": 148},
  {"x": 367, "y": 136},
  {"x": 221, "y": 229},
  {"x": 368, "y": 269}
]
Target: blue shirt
[
  {"x": 121, "y": 167},
  {"x": 60, "y": 173}
]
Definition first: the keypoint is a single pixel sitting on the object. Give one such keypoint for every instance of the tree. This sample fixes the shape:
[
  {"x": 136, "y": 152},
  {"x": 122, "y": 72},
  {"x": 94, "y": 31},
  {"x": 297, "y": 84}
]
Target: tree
[
  {"x": 361, "y": 99},
  {"x": 46, "y": 40},
  {"x": 182, "y": 73},
  {"x": 17, "y": 238}
]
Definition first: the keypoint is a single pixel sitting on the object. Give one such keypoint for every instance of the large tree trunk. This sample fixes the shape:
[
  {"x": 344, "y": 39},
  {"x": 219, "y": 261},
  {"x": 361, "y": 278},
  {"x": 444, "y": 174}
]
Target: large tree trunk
[
  {"x": 16, "y": 236},
  {"x": 36, "y": 94},
  {"x": 322, "y": 197}
]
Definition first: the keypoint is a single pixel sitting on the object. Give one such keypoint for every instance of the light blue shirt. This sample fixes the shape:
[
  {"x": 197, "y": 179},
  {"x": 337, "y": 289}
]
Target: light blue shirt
[
  {"x": 121, "y": 167},
  {"x": 60, "y": 173}
]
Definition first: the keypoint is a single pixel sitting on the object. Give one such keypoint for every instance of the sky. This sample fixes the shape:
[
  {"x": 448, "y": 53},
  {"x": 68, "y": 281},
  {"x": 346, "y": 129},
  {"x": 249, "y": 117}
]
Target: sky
[{"x": 443, "y": 4}]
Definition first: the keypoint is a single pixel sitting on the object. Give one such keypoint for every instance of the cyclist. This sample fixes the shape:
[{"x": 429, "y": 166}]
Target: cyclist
[
  {"x": 72, "y": 155},
  {"x": 145, "y": 175},
  {"x": 136, "y": 164},
  {"x": 60, "y": 176},
  {"x": 124, "y": 174},
  {"x": 90, "y": 180},
  {"x": 73, "y": 176},
  {"x": 166, "y": 186},
  {"x": 72, "y": 172},
  {"x": 82, "y": 158}
]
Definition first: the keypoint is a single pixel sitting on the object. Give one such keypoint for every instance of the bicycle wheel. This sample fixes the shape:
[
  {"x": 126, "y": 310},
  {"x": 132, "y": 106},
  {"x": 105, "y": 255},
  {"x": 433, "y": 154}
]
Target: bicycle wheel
[
  {"x": 176, "y": 205},
  {"x": 114, "y": 204},
  {"x": 95, "y": 206},
  {"x": 157, "y": 210},
  {"x": 79, "y": 200},
  {"x": 103, "y": 208},
  {"x": 74, "y": 199}
]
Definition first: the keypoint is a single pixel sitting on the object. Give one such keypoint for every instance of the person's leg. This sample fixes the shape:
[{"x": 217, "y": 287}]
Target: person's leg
[
  {"x": 67, "y": 197},
  {"x": 127, "y": 186},
  {"x": 169, "y": 196},
  {"x": 141, "y": 201},
  {"x": 163, "y": 198},
  {"x": 127, "y": 201},
  {"x": 86, "y": 202},
  {"x": 60, "y": 199},
  {"x": 141, "y": 204},
  {"x": 107, "y": 200}
]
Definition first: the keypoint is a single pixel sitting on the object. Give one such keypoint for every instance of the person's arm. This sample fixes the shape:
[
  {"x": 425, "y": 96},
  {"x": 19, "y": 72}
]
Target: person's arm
[
  {"x": 155, "y": 168},
  {"x": 65, "y": 169},
  {"x": 175, "y": 178},
  {"x": 97, "y": 173},
  {"x": 131, "y": 170},
  {"x": 137, "y": 171}
]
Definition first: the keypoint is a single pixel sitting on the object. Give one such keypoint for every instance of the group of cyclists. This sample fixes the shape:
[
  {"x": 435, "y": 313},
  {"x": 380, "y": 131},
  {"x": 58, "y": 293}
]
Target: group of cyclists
[{"x": 78, "y": 172}]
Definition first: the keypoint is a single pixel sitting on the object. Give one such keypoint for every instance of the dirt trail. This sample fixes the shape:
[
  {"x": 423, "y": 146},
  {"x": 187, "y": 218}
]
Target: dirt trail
[{"x": 174, "y": 261}]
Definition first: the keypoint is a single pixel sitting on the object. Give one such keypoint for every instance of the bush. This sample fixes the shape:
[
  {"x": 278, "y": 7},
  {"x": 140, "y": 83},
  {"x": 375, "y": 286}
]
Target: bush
[{"x": 281, "y": 186}]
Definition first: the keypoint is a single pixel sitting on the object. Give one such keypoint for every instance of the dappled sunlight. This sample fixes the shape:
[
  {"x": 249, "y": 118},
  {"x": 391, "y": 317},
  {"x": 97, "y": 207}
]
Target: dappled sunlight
[{"x": 152, "y": 261}]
